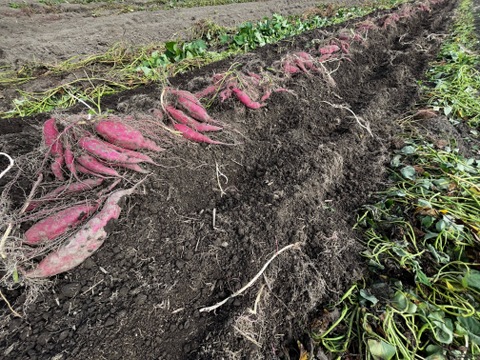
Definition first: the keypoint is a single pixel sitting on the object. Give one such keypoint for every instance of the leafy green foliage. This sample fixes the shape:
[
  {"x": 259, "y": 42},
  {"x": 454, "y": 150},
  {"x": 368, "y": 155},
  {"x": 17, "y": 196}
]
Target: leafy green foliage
[
  {"x": 422, "y": 240},
  {"x": 456, "y": 75}
]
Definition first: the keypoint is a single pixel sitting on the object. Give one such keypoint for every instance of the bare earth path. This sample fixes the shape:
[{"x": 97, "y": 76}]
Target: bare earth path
[{"x": 49, "y": 34}]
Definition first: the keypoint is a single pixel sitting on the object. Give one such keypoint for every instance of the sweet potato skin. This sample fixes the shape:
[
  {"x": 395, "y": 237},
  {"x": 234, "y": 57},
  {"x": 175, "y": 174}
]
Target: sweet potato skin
[
  {"x": 58, "y": 224},
  {"x": 124, "y": 136}
]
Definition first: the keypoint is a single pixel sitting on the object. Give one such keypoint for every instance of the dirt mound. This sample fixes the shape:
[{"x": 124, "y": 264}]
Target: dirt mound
[{"x": 303, "y": 169}]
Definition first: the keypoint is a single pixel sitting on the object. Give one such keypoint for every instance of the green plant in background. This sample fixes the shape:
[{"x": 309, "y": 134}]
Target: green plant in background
[
  {"x": 422, "y": 244},
  {"x": 422, "y": 238},
  {"x": 456, "y": 74}
]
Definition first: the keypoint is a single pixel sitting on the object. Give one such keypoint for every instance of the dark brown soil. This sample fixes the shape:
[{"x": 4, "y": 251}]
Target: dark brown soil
[{"x": 303, "y": 169}]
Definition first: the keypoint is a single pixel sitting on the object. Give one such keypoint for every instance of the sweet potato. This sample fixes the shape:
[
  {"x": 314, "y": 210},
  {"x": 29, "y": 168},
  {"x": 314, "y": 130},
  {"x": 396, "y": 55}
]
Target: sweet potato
[
  {"x": 184, "y": 96},
  {"x": 72, "y": 188},
  {"x": 124, "y": 136},
  {"x": 245, "y": 99},
  {"x": 51, "y": 136},
  {"x": 82, "y": 244},
  {"x": 329, "y": 49},
  {"x": 52, "y": 141},
  {"x": 58, "y": 224},
  {"x": 106, "y": 151},
  {"x": 195, "y": 110},
  {"x": 209, "y": 90},
  {"x": 134, "y": 167},
  {"x": 290, "y": 69},
  {"x": 190, "y": 134},
  {"x": 92, "y": 164},
  {"x": 84, "y": 170},
  {"x": 181, "y": 117}
]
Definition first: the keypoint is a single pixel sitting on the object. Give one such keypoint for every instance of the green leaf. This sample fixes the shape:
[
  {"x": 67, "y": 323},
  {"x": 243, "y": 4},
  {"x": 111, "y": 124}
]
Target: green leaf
[
  {"x": 381, "y": 350},
  {"x": 171, "y": 46},
  {"x": 421, "y": 277},
  {"x": 396, "y": 161},
  {"x": 403, "y": 304},
  {"x": 443, "y": 330},
  {"x": 407, "y": 150},
  {"x": 427, "y": 221},
  {"x": 447, "y": 110},
  {"x": 441, "y": 225},
  {"x": 367, "y": 296},
  {"x": 472, "y": 279},
  {"x": 424, "y": 203},
  {"x": 439, "y": 256},
  {"x": 15, "y": 276},
  {"x": 469, "y": 326},
  {"x": 434, "y": 350},
  {"x": 408, "y": 172}
]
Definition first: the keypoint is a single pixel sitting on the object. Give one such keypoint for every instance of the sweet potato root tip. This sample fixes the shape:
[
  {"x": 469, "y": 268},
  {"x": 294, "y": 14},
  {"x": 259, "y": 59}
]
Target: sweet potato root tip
[
  {"x": 190, "y": 134},
  {"x": 82, "y": 244},
  {"x": 134, "y": 167}
]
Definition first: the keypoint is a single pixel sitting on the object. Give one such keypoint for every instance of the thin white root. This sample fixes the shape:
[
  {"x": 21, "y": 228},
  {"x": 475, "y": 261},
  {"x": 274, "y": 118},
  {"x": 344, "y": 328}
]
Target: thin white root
[
  {"x": 219, "y": 174},
  {"x": 365, "y": 126},
  {"x": 22, "y": 210},
  {"x": 9, "y": 306},
  {"x": 255, "y": 278},
  {"x": 81, "y": 101},
  {"x": 9, "y": 166}
]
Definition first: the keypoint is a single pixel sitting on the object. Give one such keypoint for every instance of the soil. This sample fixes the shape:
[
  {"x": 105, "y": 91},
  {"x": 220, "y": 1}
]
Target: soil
[
  {"x": 66, "y": 30},
  {"x": 191, "y": 238}
]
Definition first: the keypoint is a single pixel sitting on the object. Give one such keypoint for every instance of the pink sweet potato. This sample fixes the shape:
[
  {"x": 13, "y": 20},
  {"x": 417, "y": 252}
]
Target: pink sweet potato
[
  {"x": 190, "y": 134},
  {"x": 184, "y": 95},
  {"x": 133, "y": 155},
  {"x": 209, "y": 90},
  {"x": 51, "y": 135},
  {"x": 84, "y": 170},
  {"x": 245, "y": 99},
  {"x": 266, "y": 95},
  {"x": 290, "y": 69},
  {"x": 329, "y": 49},
  {"x": 82, "y": 244},
  {"x": 105, "y": 151},
  {"x": 56, "y": 167},
  {"x": 52, "y": 141},
  {"x": 182, "y": 118},
  {"x": 134, "y": 167},
  {"x": 72, "y": 188},
  {"x": 58, "y": 224},
  {"x": 195, "y": 110},
  {"x": 92, "y": 164},
  {"x": 124, "y": 136}
]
